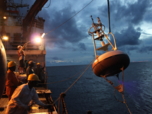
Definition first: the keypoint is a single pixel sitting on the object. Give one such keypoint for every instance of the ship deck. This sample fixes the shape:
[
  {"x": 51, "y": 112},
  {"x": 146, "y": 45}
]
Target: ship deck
[{"x": 44, "y": 96}]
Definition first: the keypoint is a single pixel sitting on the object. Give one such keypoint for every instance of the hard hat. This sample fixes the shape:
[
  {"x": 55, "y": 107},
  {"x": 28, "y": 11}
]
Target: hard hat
[
  {"x": 18, "y": 47},
  {"x": 37, "y": 63},
  {"x": 11, "y": 64},
  {"x": 33, "y": 77}
]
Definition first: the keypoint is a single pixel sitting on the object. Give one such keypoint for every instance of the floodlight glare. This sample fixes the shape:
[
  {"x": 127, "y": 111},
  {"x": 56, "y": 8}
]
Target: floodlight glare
[
  {"x": 5, "y": 38},
  {"x": 37, "y": 40}
]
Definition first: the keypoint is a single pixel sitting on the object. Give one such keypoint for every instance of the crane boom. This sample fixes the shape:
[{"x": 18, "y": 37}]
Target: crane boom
[{"x": 27, "y": 21}]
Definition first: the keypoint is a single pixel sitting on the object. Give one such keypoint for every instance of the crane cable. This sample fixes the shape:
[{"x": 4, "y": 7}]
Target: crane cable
[
  {"x": 68, "y": 19},
  {"x": 109, "y": 16},
  {"x": 122, "y": 93}
]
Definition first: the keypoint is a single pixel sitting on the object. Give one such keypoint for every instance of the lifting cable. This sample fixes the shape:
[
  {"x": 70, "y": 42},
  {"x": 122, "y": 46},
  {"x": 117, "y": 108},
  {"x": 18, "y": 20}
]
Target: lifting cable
[
  {"x": 109, "y": 16},
  {"x": 120, "y": 90}
]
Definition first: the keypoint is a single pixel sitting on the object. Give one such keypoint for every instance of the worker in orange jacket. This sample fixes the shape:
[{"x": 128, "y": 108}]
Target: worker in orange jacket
[{"x": 11, "y": 80}]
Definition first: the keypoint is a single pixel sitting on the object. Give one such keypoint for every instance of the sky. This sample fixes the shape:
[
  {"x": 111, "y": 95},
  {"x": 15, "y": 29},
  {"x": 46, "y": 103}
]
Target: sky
[{"x": 67, "y": 23}]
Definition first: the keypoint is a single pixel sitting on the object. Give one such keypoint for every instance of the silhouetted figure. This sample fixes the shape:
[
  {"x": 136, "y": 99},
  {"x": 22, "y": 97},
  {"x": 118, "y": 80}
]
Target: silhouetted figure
[
  {"x": 30, "y": 69},
  {"x": 39, "y": 71},
  {"x": 21, "y": 59}
]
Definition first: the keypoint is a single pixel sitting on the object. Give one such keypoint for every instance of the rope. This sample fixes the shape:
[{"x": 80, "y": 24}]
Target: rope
[
  {"x": 63, "y": 80},
  {"x": 122, "y": 93},
  {"x": 61, "y": 97},
  {"x": 63, "y": 104},
  {"x": 61, "y": 100},
  {"x": 78, "y": 77},
  {"x": 75, "y": 80}
]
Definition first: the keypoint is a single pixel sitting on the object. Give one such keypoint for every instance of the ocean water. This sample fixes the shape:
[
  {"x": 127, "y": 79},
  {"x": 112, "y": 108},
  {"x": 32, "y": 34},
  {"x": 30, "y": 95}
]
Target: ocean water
[{"x": 95, "y": 94}]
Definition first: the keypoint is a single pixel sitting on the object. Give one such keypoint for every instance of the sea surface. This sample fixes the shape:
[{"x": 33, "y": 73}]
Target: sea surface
[{"x": 93, "y": 93}]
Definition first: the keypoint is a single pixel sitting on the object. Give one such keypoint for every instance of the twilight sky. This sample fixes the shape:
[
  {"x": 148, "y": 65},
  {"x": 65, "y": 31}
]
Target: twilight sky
[{"x": 67, "y": 38}]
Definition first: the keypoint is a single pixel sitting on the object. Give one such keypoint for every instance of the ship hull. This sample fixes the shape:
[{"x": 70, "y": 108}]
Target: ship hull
[{"x": 3, "y": 68}]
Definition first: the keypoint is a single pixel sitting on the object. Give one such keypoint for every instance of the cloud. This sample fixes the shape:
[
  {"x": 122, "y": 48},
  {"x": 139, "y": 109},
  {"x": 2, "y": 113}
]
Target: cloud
[
  {"x": 145, "y": 49},
  {"x": 146, "y": 46},
  {"x": 82, "y": 46},
  {"x": 55, "y": 58},
  {"x": 68, "y": 32},
  {"x": 131, "y": 48},
  {"x": 130, "y": 12},
  {"x": 128, "y": 36}
]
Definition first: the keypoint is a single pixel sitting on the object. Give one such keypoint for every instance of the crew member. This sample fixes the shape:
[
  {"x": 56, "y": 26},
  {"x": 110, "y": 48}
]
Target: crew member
[
  {"x": 11, "y": 81},
  {"x": 21, "y": 58},
  {"x": 30, "y": 69},
  {"x": 19, "y": 103},
  {"x": 39, "y": 71}
]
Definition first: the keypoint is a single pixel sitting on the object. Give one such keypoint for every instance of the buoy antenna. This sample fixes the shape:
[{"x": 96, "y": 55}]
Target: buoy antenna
[{"x": 92, "y": 19}]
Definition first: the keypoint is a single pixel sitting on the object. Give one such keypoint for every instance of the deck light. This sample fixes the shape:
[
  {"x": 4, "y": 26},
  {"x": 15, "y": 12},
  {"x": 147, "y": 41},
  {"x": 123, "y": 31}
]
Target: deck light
[
  {"x": 43, "y": 35},
  {"x": 5, "y": 38},
  {"x": 37, "y": 39},
  {"x": 4, "y": 17}
]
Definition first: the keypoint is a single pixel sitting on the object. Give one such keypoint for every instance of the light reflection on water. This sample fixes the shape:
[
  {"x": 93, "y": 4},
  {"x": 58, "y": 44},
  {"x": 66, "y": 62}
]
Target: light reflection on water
[{"x": 95, "y": 94}]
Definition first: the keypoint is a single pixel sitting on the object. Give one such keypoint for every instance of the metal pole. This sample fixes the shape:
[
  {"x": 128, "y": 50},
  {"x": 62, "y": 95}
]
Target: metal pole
[{"x": 94, "y": 45}]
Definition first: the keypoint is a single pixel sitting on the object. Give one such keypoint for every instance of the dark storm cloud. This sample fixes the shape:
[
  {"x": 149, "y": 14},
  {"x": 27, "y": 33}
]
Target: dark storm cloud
[
  {"x": 127, "y": 16},
  {"x": 148, "y": 41},
  {"x": 128, "y": 36},
  {"x": 69, "y": 31},
  {"x": 53, "y": 58},
  {"x": 131, "y": 48},
  {"x": 82, "y": 46},
  {"x": 56, "y": 58},
  {"x": 132, "y": 13},
  {"x": 145, "y": 49},
  {"x": 148, "y": 17}
]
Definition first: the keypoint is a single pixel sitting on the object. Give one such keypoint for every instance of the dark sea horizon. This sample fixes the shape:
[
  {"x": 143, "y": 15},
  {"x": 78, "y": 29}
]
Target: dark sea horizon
[{"x": 93, "y": 93}]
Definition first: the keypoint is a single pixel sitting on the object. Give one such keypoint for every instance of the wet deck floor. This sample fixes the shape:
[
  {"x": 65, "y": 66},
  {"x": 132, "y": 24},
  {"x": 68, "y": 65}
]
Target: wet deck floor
[{"x": 35, "y": 109}]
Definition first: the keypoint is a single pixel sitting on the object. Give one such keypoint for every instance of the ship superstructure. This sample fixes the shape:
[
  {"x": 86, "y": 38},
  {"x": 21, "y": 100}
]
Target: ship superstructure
[
  {"x": 17, "y": 29},
  {"x": 21, "y": 30}
]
